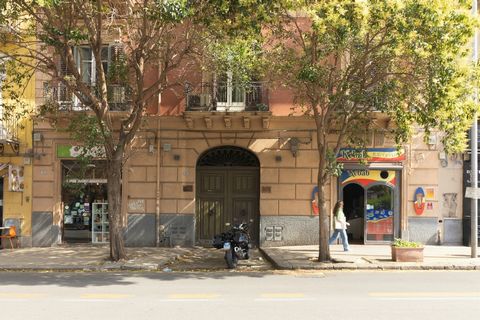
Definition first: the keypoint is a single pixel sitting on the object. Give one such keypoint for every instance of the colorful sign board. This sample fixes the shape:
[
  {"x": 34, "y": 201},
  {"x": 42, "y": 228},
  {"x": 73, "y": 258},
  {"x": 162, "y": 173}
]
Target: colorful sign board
[
  {"x": 69, "y": 151},
  {"x": 371, "y": 155},
  {"x": 365, "y": 177}
]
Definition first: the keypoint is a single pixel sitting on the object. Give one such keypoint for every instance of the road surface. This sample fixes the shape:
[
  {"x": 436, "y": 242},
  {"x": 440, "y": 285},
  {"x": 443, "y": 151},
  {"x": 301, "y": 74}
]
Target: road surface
[{"x": 232, "y": 295}]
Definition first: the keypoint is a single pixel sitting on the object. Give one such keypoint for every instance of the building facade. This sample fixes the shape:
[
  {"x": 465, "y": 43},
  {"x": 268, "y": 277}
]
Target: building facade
[
  {"x": 16, "y": 154},
  {"x": 210, "y": 158}
]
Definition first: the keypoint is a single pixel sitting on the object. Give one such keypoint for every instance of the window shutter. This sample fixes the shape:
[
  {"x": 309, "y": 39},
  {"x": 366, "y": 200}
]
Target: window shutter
[
  {"x": 117, "y": 58},
  {"x": 62, "y": 65},
  {"x": 117, "y": 53}
]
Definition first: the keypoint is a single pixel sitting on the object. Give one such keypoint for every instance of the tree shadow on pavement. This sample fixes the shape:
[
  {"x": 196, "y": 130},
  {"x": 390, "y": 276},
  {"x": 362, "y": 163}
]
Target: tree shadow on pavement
[{"x": 103, "y": 279}]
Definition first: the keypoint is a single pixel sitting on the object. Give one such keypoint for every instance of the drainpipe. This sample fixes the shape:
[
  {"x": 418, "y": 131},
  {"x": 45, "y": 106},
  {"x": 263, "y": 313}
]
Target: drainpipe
[{"x": 158, "y": 192}]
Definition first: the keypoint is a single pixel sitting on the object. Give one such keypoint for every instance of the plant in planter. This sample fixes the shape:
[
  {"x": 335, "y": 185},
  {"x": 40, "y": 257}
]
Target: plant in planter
[{"x": 407, "y": 251}]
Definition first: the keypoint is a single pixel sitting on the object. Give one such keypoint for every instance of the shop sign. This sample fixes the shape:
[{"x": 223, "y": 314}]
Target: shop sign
[
  {"x": 68, "y": 151},
  {"x": 16, "y": 179},
  {"x": 371, "y": 155},
  {"x": 365, "y": 177}
]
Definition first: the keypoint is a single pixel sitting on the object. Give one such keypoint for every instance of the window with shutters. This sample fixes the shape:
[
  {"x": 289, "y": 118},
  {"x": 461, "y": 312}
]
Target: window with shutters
[
  {"x": 86, "y": 63},
  {"x": 86, "y": 67},
  {"x": 227, "y": 93},
  {"x": 8, "y": 125},
  {"x": 3, "y": 74}
]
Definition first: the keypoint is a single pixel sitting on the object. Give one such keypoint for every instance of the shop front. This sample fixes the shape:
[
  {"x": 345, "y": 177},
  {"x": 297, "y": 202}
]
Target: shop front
[
  {"x": 85, "y": 209},
  {"x": 370, "y": 188}
]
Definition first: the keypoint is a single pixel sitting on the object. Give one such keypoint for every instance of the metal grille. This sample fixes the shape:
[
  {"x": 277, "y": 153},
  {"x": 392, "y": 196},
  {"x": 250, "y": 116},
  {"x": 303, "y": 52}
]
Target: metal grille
[{"x": 228, "y": 157}]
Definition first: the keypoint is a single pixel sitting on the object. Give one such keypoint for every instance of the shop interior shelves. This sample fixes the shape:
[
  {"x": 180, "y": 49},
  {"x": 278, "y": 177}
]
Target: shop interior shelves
[{"x": 100, "y": 227}]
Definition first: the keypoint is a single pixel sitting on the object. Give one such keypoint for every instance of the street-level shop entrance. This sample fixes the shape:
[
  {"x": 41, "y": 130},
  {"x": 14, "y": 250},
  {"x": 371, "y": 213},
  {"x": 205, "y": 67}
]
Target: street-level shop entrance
[
  {"x": 1, "y": 201},
  {"x": 371, "y": 203},
  {"x": 84, "y": 197},
  {"x": 227, "y": 192}
]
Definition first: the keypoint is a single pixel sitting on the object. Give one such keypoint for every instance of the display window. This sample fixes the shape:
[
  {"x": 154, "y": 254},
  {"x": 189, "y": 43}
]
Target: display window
[{"x": 84, "y": 187}]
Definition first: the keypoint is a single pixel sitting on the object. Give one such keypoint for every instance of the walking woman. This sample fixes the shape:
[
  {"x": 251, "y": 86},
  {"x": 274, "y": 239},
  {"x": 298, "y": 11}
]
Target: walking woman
[{"x": 340, "y": 224}]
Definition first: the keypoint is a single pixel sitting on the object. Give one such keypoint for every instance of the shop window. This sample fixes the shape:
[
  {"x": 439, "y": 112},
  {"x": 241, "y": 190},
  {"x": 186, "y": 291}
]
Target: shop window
[{"x": 83, "y": 187}]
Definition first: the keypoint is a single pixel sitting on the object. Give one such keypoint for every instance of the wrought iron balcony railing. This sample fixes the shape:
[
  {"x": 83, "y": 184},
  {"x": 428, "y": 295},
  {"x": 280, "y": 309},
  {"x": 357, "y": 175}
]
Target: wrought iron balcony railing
[
  {"x": 67, "y": 101},
  {"x": 8, "y": 130},
  {"x": 226, "y": 96}
]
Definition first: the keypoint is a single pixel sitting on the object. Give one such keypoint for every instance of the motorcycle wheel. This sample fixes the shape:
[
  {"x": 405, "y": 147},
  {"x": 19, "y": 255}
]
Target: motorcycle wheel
[{"x": 231, "y": 259}]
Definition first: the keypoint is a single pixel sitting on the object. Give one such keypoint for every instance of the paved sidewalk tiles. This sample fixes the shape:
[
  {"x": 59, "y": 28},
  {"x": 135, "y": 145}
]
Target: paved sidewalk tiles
[{"x": 362, "y": 257}]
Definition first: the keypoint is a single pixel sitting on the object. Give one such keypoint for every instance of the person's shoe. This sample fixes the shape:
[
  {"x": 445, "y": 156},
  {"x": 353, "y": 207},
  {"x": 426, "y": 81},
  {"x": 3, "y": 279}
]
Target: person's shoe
[{"x": 348, "y": 249}]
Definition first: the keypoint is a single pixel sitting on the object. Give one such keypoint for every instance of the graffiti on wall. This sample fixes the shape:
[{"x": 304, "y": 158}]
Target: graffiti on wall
[
  {"x": 450, "y": 204},
  {"x": 419, "y": 201}
]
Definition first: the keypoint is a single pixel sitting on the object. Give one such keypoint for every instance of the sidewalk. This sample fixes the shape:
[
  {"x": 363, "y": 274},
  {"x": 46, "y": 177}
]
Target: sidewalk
[
  {"x": 95, "y": 258},
  {"x": 362, "y": 257},
  {"x": 370, "y": 257}
]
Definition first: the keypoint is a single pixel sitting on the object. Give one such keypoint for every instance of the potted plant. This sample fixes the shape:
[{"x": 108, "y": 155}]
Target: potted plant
[{"x": 407, "y": 251}]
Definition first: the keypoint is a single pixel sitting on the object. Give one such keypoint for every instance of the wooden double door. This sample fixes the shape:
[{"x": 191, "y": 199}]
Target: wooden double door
[{"x": 226, "y": 196}]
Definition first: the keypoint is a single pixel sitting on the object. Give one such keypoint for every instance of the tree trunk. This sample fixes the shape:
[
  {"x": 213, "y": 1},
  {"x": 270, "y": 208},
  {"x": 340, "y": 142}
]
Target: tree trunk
[
  {"x": 323, "y": 220},
  {"x": 117, "y": 246}
]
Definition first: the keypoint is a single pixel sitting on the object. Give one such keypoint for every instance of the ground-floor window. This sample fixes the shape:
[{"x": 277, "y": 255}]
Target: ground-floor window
[{"x": 84, "y": 197}]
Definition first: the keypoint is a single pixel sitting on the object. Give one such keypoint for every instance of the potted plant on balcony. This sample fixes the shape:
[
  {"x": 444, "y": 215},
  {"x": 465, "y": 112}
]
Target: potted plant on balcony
[{"x": 407, "y": 251}]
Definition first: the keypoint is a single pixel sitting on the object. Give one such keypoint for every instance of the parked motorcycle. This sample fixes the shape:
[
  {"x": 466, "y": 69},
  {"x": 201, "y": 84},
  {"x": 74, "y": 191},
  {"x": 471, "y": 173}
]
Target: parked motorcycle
[{"x": 235, "y": 242}]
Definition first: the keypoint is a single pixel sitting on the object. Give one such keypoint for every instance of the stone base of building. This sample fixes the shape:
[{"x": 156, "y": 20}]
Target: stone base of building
[
  {"x": 141, "y": 230},
  {"x": 452, "y": 232},
  {"x": 44, "y": 233},
  {"x": 423, "y": 229},
  {"x": 177, "y": 230},
  {"x": 278, "y": 231}
]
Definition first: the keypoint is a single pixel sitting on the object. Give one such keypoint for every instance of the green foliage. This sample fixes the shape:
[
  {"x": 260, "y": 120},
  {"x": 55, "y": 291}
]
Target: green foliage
[
  {"x": 334, "y": 168},
  {"x": 406, "y": 244},
  {"x": 86, "y": 129},
  {"x": 171, "y": 11},
  {"x": 242, "y": 57},
  {"x": 409, "y": 59}
]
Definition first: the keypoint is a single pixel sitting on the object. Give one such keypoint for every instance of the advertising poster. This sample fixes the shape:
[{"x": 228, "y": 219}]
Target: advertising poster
[{"x": 16, "y": 178}]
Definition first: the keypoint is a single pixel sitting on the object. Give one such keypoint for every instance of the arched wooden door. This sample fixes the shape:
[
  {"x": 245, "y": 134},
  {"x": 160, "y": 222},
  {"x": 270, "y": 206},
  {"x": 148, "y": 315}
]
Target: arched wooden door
[{"x": 227, "y": 192}]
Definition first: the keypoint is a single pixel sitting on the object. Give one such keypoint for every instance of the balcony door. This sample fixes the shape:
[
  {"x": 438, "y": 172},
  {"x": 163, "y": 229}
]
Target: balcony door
[{"x": 231, "y": 94}]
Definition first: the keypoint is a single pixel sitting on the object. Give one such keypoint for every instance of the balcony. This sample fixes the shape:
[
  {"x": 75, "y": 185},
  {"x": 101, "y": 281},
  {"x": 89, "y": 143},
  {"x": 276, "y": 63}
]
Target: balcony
[
  {"x": 9, "y": 134},
  {"x": 226, "y": 97},
  {"x": 67, "y": 101}
]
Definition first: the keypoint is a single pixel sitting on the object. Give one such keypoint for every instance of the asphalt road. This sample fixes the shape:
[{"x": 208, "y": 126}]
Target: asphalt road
[{"x": 233, "y": 295}]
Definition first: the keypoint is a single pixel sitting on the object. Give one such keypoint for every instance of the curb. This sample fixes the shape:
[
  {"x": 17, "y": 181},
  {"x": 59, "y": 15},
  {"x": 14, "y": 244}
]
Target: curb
[
  {"x": 274, "y": 263},
  {"x": 286, "y": 265},
  {"x": 80, "y": 269}
]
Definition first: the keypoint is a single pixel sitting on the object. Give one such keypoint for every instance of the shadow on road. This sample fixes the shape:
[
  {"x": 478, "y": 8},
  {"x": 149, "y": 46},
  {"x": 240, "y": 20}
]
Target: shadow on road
[{"x": 97, "y": 279}]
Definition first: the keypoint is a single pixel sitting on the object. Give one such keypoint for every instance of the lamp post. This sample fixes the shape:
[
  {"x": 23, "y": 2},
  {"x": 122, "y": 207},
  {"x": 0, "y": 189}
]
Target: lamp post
[{"x": 474, "y": 147}]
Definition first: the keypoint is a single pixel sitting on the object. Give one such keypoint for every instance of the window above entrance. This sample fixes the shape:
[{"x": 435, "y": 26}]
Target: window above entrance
[{"x": 228, "y": 156}]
